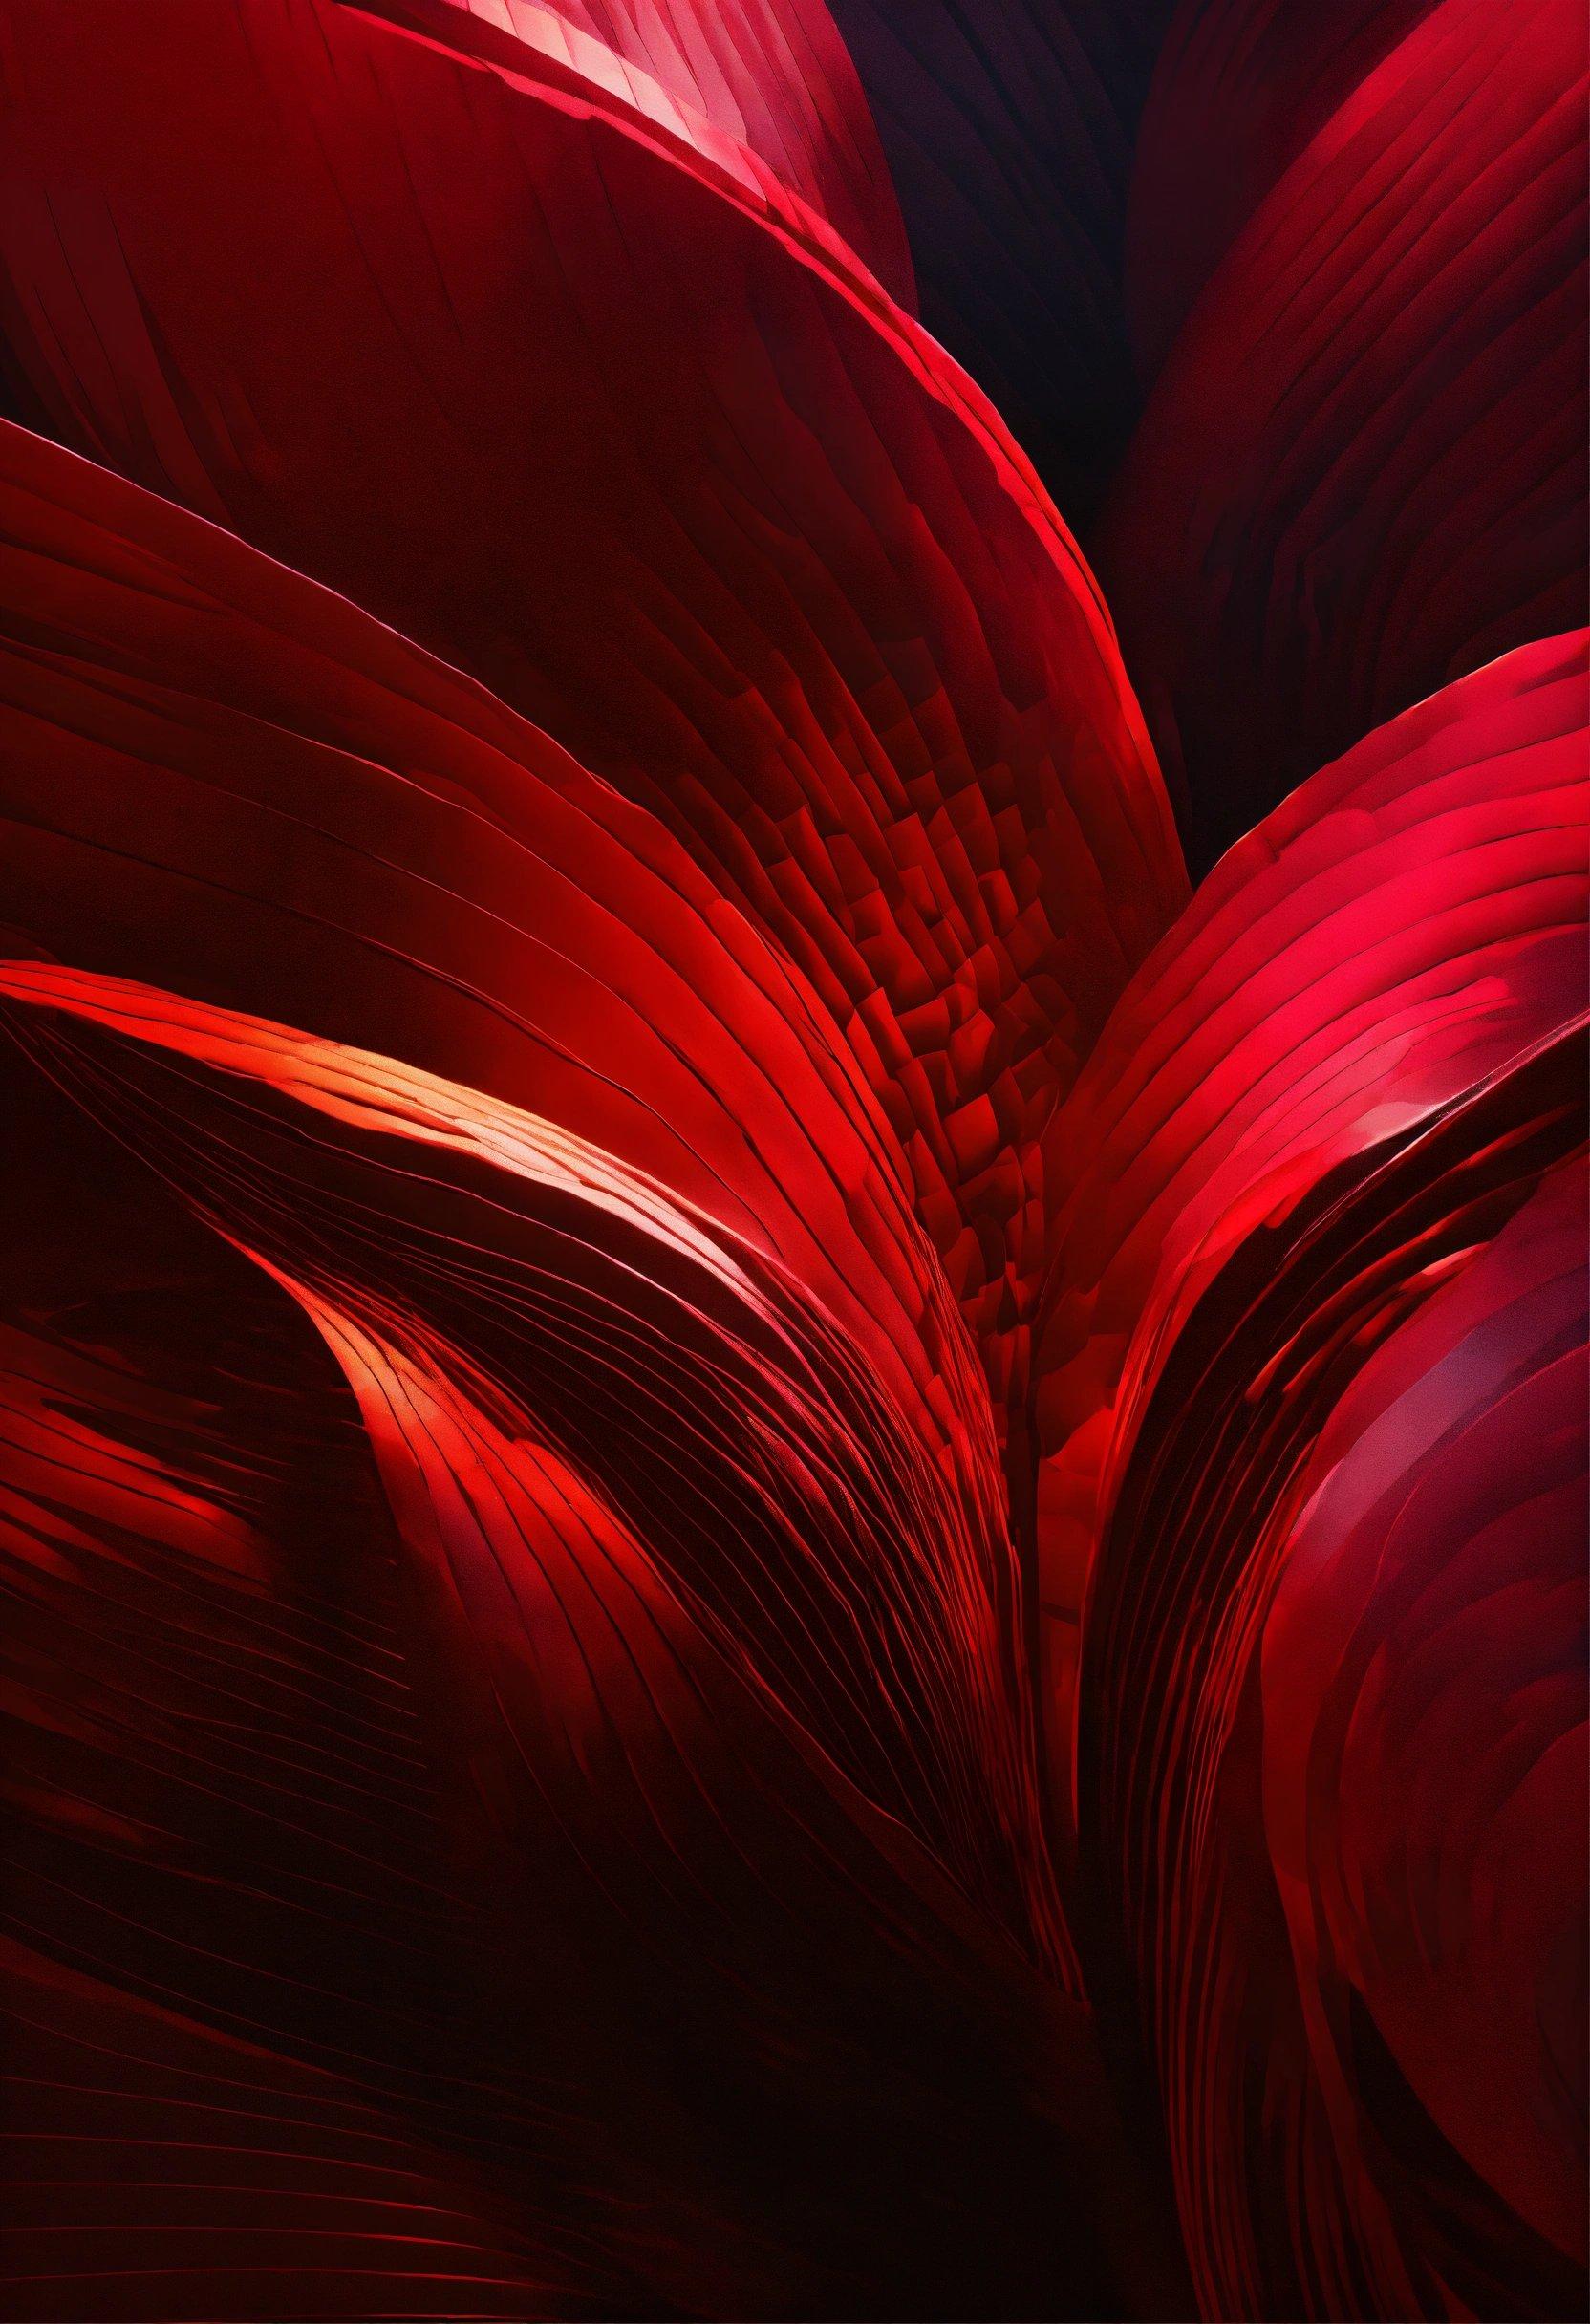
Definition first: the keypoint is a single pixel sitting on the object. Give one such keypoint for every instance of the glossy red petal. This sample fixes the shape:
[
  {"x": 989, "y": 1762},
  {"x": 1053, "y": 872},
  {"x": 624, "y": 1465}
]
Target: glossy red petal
[
  {"x": 705, "y": 1631},
  {"x": 256, "y": 2054},
  {"x": 1362, "y": 470},
  {"x": 669, "y": 471},
  {"x": 771, "y": 78},
  {"x": 701, "y": 1582},
  {"x": 1325, "y": 1094},
  {"x": 225, "y": 778},
  {"x": 1423, "y": 1678},
  {"x": 259, "y": 792}
]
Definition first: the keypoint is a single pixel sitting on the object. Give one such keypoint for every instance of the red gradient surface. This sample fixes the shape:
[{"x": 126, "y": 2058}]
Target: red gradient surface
[
  {"x": 697, "y": 497},
  {"x": 1336, "y": 1091},
  {"x": 776, "y": 1539},
  {"x": 1360, "y": 470}
]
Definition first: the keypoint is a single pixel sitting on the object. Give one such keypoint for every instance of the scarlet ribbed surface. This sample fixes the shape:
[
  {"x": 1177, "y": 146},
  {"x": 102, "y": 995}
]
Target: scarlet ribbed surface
[
  {"x": 1338, "y": 1090},
  {"x": 1361, "y": 469},
  {"x": 776, "y": 1539}
]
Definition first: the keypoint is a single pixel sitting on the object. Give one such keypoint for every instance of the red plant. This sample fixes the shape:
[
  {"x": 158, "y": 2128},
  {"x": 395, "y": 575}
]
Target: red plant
[{"x": 779, "y": 1539}]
